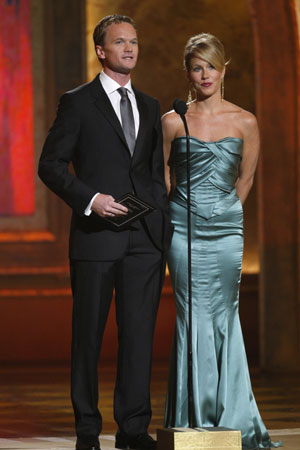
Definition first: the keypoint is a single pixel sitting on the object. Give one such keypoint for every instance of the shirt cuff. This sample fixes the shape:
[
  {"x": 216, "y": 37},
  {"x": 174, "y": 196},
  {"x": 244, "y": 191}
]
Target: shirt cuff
[{"x": 88, "y": 209}]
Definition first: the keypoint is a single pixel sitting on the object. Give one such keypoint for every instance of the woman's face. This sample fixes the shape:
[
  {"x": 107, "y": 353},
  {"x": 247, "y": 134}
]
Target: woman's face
[{"x": 206, "y": 80}]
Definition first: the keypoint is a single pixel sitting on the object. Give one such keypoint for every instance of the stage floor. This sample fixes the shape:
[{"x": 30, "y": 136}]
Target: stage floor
[
  {"x": 36, "y": 413},
  {"x": 290, "y": 437}
]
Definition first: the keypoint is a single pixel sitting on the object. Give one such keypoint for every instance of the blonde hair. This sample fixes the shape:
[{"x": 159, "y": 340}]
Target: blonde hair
[{"x": 205, "y": 46}]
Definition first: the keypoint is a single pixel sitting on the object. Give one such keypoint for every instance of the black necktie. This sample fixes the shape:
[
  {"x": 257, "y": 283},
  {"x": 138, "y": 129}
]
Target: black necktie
[{"x": 127, "y": 119}]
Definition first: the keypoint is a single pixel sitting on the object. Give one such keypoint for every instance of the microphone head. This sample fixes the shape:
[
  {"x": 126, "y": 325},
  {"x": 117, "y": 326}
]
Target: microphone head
[{"x": 180, "y": 106}]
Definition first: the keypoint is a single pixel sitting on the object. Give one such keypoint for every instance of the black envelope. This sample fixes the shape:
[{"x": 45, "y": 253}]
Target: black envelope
[{"x": 137, "y": 208}]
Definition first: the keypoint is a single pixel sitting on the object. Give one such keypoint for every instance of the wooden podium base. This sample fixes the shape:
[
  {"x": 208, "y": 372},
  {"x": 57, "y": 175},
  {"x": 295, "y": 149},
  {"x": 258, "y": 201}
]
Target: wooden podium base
[{"x": 218, "y": 438}]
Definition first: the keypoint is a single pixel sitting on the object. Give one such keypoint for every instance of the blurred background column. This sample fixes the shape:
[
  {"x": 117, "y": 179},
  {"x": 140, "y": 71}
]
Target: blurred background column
[{"x": 277, "y": 105}]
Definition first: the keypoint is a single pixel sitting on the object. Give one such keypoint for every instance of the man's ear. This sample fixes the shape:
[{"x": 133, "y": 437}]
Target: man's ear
[{"x": 100, "y": 52}]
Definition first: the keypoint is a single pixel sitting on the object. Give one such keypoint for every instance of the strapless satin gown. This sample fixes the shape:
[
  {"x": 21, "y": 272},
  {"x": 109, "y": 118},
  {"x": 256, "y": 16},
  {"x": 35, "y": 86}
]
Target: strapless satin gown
[{"x": 222, "y": 389}]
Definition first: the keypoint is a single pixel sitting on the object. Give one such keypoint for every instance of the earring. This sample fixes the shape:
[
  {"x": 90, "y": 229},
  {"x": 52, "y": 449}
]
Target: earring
[
  {"x": 222, "y": 89},
  {"x": 190, "y": 95}
]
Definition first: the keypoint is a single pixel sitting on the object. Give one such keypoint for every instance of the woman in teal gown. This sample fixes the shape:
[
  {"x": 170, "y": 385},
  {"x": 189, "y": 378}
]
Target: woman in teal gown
[{"x": 224, "y": 149}]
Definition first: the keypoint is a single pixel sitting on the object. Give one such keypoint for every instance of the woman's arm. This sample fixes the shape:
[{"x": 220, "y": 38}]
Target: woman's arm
[
  {"x": 169, "y": 126},
  {"x": 250, "y": 156}
]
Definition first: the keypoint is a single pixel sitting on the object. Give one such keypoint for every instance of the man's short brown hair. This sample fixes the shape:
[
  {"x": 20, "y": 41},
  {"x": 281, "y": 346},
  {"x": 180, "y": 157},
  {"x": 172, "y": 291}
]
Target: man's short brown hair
[{"x": 102, "y": 26}]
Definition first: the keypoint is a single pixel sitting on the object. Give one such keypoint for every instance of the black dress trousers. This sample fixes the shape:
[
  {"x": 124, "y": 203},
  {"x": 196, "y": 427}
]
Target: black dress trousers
[{"x": 137, "y": 279}]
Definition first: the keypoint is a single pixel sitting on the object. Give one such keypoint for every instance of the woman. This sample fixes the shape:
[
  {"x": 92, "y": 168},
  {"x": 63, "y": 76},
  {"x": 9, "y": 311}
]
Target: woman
[{"x": 224, "y": 153}]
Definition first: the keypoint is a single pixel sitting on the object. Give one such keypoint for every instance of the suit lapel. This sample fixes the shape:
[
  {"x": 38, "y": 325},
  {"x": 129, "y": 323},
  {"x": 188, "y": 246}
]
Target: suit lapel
[{"x": 104, "y": 105}]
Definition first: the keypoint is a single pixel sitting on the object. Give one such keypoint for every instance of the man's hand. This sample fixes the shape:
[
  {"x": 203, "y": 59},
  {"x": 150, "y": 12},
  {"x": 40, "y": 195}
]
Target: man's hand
[{"x": 105, "y": 206}]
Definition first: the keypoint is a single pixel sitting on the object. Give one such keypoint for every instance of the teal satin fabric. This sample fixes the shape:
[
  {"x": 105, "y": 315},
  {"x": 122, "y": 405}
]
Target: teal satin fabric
[{"x": 222, "y": 388}]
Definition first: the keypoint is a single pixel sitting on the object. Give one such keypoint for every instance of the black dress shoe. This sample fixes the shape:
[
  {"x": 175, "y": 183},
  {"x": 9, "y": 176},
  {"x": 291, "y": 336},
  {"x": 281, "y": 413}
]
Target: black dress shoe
[
  {"x": 138, "y": 442},
  {"x": 87, "y": 443},
  {"x": 88, "y": 448}
]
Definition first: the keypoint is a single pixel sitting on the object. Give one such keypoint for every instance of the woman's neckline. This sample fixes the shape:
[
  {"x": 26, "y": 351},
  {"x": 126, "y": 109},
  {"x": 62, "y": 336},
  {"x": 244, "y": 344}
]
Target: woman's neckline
[{"x": 211, "y": 142}]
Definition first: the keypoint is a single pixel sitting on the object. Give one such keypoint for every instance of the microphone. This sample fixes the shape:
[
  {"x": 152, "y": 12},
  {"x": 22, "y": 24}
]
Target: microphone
[{"x": 180, "y": 106}]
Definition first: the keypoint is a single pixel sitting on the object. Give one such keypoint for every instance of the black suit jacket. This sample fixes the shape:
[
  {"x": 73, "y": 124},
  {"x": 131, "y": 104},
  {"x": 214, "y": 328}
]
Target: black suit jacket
[{"x": 87, "y": 133}]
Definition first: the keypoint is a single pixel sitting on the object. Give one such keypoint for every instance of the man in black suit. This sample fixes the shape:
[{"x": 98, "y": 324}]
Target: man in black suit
[{"x": 112, "y": 134}]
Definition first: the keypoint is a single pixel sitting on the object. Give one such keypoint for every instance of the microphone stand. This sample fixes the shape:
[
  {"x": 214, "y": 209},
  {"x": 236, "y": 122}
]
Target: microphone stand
[{"x": 181, "y": 108}]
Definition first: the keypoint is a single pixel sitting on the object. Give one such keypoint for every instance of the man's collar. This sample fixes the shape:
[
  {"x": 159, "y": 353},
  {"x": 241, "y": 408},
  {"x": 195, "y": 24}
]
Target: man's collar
[{"x": 110, "y": 85}]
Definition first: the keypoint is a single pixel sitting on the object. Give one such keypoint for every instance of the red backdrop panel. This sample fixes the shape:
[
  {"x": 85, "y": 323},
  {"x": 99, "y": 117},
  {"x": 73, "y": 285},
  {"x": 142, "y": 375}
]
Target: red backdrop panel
[{"x": 16, "y": 110}]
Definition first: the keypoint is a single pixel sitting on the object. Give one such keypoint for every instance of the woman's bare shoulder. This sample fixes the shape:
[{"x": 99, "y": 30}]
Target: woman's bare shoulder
[
  {"x": 248, "y": 123},
  {"x": 171, "y": 117},
  {"x": 246, "y": 120},
  {"x": 171, "y": 122},
  {"x": 241, "y": 114}
]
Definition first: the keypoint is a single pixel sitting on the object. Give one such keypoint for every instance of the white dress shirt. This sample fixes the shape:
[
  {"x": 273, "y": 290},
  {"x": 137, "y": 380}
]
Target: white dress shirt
[{"x": 111, "y": 87}]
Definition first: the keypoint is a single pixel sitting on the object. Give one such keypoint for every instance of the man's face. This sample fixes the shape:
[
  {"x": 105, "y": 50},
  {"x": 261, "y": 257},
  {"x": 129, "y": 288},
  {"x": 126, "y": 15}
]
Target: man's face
[{"x": 120, "y": 50}]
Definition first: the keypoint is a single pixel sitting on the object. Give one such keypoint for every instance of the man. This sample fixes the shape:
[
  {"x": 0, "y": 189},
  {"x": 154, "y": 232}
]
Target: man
[{"x": 113, "y": 138}]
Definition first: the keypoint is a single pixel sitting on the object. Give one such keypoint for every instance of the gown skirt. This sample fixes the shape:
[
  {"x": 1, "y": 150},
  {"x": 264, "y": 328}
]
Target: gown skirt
[{"x": 222, "y": 390}]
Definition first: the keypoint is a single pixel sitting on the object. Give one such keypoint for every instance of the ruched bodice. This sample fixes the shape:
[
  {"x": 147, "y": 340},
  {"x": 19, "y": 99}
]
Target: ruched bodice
[
  {"x": 214, "y": 168},
  {"x": 221, "y": 385}
]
